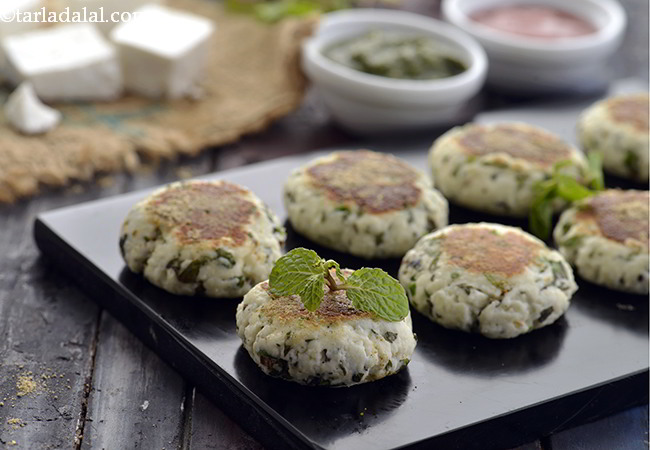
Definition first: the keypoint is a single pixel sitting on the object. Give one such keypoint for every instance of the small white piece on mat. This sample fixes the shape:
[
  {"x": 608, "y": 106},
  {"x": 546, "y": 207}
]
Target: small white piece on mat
[{"x": 27, "y": 114}]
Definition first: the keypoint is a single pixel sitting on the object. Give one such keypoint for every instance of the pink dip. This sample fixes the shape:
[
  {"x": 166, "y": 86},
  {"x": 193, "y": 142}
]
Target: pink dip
[{"x": 534, "y": 21}]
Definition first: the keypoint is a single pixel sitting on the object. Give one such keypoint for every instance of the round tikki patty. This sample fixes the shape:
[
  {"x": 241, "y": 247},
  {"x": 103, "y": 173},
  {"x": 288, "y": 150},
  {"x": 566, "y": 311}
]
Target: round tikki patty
[
  {"x": 494, "y": 168},
  {"x": 336, "y": 345},
  {"x": 369, "y": 204},
  {"x": 606, "y": 238},
  {"x": 618, "y": 128},
  {"x": 211, "y": 238},
  {"x": 492, "y": 279}
]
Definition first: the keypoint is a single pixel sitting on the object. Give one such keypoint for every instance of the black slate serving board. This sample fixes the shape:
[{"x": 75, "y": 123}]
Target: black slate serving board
[{"x": 460, "y": 391}]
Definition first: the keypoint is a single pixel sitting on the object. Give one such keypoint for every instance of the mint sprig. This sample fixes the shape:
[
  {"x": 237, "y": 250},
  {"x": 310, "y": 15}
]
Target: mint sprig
[
  {"x": 596, "y": 178},
  {"x": 274, "y": 10},
  {"x": 302, "y": 272},
  {"x": 299, "y": 272},
  {"x": 373, "y": 290},
  {"x": 560, "y": 185}
]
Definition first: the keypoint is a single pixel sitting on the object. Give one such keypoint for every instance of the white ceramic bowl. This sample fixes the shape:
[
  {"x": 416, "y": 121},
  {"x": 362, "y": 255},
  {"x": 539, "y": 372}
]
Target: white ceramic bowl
[
  {"x": 367, "y": 103},
  {"x": 524, "y": 64}
]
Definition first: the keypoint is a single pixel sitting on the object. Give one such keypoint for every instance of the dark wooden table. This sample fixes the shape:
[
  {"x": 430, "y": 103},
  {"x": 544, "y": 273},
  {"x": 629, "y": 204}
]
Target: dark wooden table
[{"x": 72, "y": 376}]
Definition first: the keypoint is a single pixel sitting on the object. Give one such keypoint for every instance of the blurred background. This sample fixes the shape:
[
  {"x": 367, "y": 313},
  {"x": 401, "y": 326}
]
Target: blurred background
[{"x": 242, "y": 78}]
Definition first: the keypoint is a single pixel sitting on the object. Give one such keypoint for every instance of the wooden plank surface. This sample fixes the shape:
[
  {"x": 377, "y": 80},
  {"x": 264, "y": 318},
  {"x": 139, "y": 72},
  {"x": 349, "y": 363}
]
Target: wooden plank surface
[
  {"x": 44, "y": 366},
  {"x": 627, "y": 430},
  {"x": 49, "y": 329},
  {"x": 135, "y": 400}
]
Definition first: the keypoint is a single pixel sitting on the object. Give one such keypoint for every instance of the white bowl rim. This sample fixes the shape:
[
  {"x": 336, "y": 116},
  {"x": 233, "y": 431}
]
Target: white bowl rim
[
  {"x": 312, "y": 49},
  {"x": 615, "y": 26}
]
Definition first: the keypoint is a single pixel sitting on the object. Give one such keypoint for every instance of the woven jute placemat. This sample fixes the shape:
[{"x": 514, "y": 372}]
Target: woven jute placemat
[{"x": 252, "y": 78}]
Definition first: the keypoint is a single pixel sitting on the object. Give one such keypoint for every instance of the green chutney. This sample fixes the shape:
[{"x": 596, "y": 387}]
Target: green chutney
[{"x": 396, "y": 55}]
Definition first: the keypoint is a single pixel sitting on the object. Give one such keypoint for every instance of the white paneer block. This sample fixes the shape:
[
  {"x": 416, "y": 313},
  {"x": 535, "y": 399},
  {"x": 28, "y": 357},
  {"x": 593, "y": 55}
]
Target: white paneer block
[
  {"x": 25, "y": 112},
  {"x": 19, "y": 16},
  {"x": 65, "y": 63},
  {"x": 163, "y": 51},
  {"x": 109, "y": 11}
]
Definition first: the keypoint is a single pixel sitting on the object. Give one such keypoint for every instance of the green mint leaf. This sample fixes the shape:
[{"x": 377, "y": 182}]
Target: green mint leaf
[
  {"x": 304, "y": 7},
  {"x": 569, "y": 189},
  {"x": 312, "y": 292},
  {"x": 558, "y": 166},
  {"x": 545, "y": 189},
  {"x": 274, "y": 10},
  {"x": 373, "y": 290},
  {"x": 596, "y": 179},
  {"x": 302, "y": 272},
  {"x": 279, "y": 9},
  {"x": 541, "y": 220},
  {"x": 240, "y": 7},
  {"x": 299, "y": 272},
  {"x": 271, "y": 12},
  {"x": 540, "y": 217},
  {"x": 331, "y": 264}
]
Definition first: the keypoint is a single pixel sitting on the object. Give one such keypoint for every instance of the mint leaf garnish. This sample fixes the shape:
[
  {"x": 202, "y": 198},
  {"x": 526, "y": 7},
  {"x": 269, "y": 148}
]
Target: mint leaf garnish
[
  {"x": 541, "y": 211},
  {"x": 302, "y": 272},
  {"x": 312, "y": 292},
  {"x": 299, "y": 272},
  {"x": 597, "y": 181},
  {"x": 373, "y": 290},
  {"x": 272, "y": 11},
  {"x": 569, "y": 189},
  {"x": 331, "y": 264},
  {"x": 560, "y": 185}
]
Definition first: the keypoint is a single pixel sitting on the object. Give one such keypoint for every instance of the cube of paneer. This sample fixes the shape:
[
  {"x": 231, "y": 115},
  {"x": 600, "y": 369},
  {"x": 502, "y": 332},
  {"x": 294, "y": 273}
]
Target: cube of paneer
[
  {"x": 163, "y": 51},
  {"x": 65, "y": 63}
]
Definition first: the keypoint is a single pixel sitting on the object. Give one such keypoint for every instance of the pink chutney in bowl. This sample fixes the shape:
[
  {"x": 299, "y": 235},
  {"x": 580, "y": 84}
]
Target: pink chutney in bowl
[{"x": 536, "y": 21}]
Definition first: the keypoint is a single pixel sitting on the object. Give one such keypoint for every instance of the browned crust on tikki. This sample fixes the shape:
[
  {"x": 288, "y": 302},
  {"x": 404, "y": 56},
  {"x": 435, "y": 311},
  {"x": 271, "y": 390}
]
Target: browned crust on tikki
[
  {"x": 631, "y": 110},
  {"x": 335, "y": 307},
  {"x": 484, "y": 250},
  {"x": 204, "y": 211},
  {"x": 377, "y": 183},
  {"x": 620, "y": 215},
  {"x": 530, "y": 144}
]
